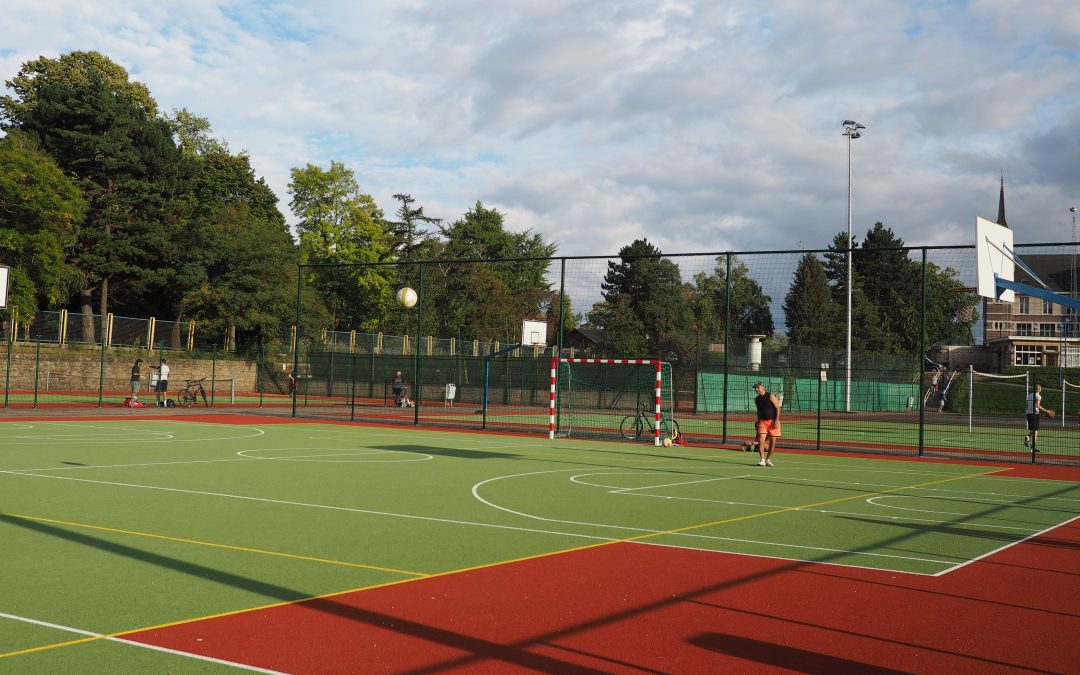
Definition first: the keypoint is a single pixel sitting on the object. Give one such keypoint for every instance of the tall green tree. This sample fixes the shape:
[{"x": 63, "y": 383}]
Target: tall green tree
[
  {"x": 341, "y": 226},
  {"x": 517, "y": 260},
  {"x": 750, "y": 313},
  {"x": 235, "y": 258},
  {"x": 811, "y": 313},
  {"x": 868, "y": 330},
  {"x": 104, "y": 133},
  {"x": 40, "y": 211},
  {"x": 644, "y": 292},
  {"x": 410, "y": 231}
]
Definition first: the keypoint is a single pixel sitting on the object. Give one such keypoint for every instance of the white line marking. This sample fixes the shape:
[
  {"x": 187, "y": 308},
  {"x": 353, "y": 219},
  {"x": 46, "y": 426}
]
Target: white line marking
[
  {"x": 408, "y": 456},
  {"x": 328, "y": 507},
  {"x": 133, "y": 643},
  {"x": 1002, "y": 548}
]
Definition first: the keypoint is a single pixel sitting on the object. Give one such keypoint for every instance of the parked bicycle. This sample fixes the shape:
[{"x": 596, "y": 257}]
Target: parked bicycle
[
  {"x": 633, "y": 426},
  {"x": 192, "y": 390}
]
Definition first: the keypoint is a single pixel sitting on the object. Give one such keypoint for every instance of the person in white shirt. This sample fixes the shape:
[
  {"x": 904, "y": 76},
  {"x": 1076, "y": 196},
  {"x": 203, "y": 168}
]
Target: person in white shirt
[
  {"x": 1034, "y": 405},
  {"x": 161, "y": 392}
]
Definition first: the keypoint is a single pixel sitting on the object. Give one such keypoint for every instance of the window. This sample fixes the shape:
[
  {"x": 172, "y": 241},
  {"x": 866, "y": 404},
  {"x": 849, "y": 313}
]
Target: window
[
  {"x": 1028, "y": 355},
  {"x": 1023, "y": 329},
  {"x": 1047, "y": 329},
  {"x": 1022, "y": 304},
  {"x": 1048, "y": 307}
]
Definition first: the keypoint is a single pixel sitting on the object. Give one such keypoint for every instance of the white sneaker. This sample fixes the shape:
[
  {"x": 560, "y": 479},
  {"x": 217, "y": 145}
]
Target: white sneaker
[
  {"x": 762, "y": 463},
  {"x": 768, "y": 462}
]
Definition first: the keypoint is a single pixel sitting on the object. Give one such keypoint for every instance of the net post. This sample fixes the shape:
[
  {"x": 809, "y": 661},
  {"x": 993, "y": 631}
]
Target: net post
[
  {"x": 659, "y": 378},
  {"x": 551, "y": 400}
]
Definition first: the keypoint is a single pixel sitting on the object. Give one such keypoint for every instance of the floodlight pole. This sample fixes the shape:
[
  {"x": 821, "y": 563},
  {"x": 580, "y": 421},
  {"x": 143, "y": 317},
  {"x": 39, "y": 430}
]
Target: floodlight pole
[{"x": 852, "y": 131}]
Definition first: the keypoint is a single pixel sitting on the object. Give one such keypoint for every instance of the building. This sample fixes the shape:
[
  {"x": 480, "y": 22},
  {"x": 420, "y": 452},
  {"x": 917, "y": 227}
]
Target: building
[{"x": 1031, "y": 331}]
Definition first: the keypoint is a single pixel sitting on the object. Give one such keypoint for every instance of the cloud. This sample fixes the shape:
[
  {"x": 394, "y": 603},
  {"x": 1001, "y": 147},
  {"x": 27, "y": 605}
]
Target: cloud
[{"x": 702, "y": 126}]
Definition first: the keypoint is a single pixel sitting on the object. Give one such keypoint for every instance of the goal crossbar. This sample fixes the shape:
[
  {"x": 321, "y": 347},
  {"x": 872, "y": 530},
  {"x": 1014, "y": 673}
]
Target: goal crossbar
[{"x": 657, "y": 364}]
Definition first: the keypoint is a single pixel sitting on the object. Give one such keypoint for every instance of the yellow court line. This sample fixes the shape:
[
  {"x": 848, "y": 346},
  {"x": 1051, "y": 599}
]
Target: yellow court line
[
  {"x": 495, "y": 564},
  {"x": 210, "y": 544}
]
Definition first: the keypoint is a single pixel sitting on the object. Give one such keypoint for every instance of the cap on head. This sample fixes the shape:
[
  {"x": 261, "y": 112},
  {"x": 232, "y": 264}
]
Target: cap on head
[{"x": 758, "y": 384}]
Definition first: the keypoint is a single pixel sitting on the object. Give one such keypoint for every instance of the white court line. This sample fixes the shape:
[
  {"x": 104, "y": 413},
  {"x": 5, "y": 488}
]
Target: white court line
[
  {"x": 636, "y": 492},
  {"x": 1005, "y": 546},
  {"x": 129, "y": 432},
  {"x": 347, "y": 509},
  {"x": 976, "y": 495},
  {"x": 409, "y": 456},
  {"x": 719, "y": 538},
  {"x": 133, "y": 643}
]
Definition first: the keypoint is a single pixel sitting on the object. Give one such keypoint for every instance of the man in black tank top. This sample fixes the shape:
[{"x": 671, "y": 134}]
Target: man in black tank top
[{"x": 768, "y": 423}]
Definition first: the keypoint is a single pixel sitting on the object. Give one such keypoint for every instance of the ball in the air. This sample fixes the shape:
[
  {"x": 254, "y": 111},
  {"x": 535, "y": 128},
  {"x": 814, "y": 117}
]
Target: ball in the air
[
  {"x": 407, "y": 297},
  {"x": 667, "y": 442}
]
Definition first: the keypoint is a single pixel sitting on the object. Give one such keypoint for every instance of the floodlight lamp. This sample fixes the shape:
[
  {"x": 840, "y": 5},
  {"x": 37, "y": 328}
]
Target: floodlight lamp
[
  {"x": 1072, "y": 209},
  {"x": 859, "y": 126},
  {"x": 848, "y": 122}
]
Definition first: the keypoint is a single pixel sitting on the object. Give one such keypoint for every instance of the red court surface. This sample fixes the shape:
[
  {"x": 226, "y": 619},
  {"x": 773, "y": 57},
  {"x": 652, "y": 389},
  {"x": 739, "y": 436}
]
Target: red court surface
[{"x": 638, "y": 608}]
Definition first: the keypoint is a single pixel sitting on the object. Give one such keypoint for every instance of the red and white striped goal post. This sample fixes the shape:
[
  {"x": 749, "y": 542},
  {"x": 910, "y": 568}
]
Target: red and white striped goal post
[{"x": 555, "y": 361}]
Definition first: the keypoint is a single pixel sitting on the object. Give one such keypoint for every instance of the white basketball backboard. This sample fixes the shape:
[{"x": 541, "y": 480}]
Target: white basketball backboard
[
  {"x": 3, "y": 286},
  {"x": 993, "y": 248},
  {"x": 534, "y": 333}
]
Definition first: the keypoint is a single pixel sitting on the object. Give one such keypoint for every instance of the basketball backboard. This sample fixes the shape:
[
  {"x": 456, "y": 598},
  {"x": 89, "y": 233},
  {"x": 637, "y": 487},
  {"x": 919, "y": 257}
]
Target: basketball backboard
[
  {"x": 3, "y": 286},
  {"x": 534, "y": 333},
  {"x": 993, "y": 250}
]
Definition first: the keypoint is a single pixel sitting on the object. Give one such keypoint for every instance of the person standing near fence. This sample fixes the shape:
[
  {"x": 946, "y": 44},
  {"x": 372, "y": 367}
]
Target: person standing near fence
[
  {"x": 135, "y": 374},
  {"x": 396, "y": 386},
  {"x": 768, "y": 423},
  {"x": 161, "y": 392},
  {"x": 1034, "y": 406}
]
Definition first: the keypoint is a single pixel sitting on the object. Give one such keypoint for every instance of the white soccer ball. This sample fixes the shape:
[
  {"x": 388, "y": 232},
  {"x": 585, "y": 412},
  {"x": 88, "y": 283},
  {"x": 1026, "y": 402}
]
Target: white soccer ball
[
  {"x": 407, "y": 297},
  {"x": 667, "y": 442}
]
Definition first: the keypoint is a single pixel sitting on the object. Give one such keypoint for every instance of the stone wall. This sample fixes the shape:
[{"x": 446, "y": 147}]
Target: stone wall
[{"x": 73, "y": 369}]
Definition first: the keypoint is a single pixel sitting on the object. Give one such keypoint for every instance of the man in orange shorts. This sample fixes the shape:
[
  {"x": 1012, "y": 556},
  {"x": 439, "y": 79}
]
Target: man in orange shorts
[{"x": 768, "y": 423}]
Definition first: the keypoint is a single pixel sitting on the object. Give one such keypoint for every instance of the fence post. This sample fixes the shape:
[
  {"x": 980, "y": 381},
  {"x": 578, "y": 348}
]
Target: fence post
[
  {"x": 37, "y": 370},
  {"x": 63, "y": 326},
  {"x": 727, "y": 340},
  {"x": 101, "y": 374},
  {"x": 922, "y": 355},
  {"x": 10, "y": 344},
  {"x": 261, "y": 368},
  {"x": 213, "y": 373}
]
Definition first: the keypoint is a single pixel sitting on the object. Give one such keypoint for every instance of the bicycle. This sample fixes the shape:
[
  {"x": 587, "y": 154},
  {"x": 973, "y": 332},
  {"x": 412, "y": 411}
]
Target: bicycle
[
  {"x": 189, "y": 395},
  {"x": 632, "y": 426}
]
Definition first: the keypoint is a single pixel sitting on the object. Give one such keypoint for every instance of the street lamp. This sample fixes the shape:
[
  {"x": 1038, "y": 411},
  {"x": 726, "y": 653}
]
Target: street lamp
[{"x": 852, "y": 130}]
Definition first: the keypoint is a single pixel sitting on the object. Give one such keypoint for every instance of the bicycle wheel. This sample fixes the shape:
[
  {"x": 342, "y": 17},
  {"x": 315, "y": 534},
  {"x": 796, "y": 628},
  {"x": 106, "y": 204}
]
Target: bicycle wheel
[
  {"x": 667, "y": 426},
  {"x": 184, "y": 399},
  {"x": 630, "y": 427}
]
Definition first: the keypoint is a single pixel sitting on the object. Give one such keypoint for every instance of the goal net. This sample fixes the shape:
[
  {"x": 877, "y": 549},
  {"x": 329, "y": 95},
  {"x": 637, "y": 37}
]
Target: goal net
[
  {"x": 996, "y": 400},
  {"x": 611, "y": 398}
]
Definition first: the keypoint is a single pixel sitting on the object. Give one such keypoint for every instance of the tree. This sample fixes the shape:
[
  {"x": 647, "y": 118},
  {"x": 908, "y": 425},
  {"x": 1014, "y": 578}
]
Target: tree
[
  {"x": 519, "y": 260},
  {"x": 812, "y": 315},
  {"x": 235, "y": 259},
  {"x": 75, "y": 69},
  {"x": 342, "y": 226},
  {"x": 407, "y": 234},
  {"x": 644, "y": 294},
  {"x": 749, "y": 307},
  {"x": 102, "y": 130},
  {"x": 868, "y": 332},
  {"x": 40, "y": 210}
]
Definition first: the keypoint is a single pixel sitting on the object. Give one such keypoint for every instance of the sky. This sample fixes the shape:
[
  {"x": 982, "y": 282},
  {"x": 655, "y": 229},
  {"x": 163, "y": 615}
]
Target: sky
[{"x": 701, "y": 126}]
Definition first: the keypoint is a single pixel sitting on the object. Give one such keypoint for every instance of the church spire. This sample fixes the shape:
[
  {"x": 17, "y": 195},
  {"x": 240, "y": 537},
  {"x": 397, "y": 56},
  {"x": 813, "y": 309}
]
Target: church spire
[{"x": 1001, "y": 203}]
